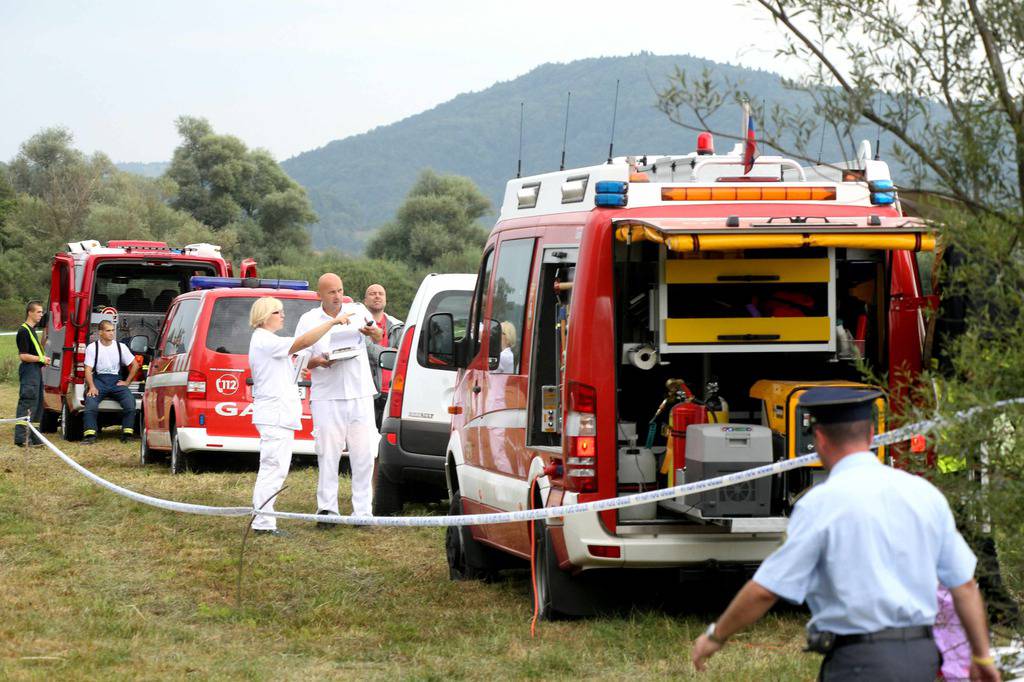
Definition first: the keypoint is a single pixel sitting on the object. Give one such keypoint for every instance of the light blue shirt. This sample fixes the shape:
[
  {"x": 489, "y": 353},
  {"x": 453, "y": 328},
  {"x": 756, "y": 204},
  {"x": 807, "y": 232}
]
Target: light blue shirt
[{"x": 867, "y": 549}]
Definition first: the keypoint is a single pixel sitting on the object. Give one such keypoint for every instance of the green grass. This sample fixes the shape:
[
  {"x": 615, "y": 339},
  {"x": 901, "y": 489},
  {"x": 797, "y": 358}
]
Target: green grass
[
  {"x": 8, "y": 359},
  {"x": 95, "y": 586}
]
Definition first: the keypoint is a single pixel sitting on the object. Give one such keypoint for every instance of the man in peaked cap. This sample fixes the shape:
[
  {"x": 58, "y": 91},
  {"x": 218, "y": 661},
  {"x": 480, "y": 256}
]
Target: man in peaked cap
[{"x": 866, "y": 550}]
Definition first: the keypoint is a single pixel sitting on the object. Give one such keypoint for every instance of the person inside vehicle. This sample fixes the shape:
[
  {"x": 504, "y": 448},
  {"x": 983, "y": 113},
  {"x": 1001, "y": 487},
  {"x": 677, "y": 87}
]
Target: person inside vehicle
[
  {"x": 507, "y": 360},
  {"x": 276, "y": 406},
  {"x": 104, "y": 359}
]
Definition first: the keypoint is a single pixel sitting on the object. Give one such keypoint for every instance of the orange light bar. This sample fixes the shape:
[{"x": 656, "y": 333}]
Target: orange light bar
[{"x": 748, "y": 193}]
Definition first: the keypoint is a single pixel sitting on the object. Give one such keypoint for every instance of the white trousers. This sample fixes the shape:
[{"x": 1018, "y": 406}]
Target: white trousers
[
  {"x": 275, "y": 460},
  {"x": 337, "y": 423}
]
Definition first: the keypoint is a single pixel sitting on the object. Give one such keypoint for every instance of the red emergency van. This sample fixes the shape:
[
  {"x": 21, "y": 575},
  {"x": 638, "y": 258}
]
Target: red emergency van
[
  {"x": 130, "y": 283},
  {"x": 198, "y": 396},
  {"x": 653, "y": 320}
]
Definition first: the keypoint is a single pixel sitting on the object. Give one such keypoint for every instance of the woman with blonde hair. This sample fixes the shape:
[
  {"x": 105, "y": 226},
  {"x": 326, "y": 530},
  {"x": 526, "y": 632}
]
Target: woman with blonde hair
[
  {"x": 507, "y": 360},
  {"x": 276, "y": 406}
]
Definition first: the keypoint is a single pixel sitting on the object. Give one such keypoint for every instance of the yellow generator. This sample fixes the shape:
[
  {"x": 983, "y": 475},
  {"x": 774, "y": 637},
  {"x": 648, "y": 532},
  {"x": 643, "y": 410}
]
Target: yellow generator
[{"x": 791, "y": 426}]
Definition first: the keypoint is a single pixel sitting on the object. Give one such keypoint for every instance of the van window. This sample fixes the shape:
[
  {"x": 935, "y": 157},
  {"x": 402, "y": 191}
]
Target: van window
[
  {"x": 457, "y": 304},
  {"x": 229, "y": 330},
  {"x": 135, "y": 287},
  {"x": 483, "y": 280},
  {"x": 178, "y": 337},
  {"x": 509, "y": 300}
]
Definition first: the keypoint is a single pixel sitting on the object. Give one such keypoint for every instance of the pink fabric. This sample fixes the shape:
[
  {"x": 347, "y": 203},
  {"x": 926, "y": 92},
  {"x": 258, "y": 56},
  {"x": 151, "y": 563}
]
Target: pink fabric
[{"x": 951, "y": 639}]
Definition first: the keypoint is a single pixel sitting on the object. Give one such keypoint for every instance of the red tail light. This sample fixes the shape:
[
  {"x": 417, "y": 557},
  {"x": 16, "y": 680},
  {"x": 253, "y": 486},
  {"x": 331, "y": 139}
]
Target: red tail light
[
  {"x": 398, "y": 376},
  {"x": 581, "y": 429},
  {"x": 196, "y": 387}
]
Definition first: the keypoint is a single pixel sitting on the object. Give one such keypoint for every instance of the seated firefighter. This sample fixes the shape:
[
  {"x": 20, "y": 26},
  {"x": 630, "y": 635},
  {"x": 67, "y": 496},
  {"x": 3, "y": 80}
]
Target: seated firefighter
[{"x": 104, "y": 359}]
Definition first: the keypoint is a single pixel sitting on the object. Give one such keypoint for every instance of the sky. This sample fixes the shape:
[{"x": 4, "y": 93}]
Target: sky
[{"x": 292, "y": 75}]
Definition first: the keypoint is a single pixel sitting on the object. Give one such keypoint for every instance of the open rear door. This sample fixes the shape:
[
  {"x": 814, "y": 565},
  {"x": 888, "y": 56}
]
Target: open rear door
[{"x": 247, "y": 268}]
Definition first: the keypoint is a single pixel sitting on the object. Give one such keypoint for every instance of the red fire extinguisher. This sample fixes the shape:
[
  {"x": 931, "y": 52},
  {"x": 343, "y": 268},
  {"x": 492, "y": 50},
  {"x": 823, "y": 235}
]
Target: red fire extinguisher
[{"x": 683, "y": 415}]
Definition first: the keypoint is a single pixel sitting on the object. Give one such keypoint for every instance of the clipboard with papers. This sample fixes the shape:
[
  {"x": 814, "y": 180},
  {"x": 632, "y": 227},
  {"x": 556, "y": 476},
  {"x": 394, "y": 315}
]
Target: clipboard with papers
[{"x": 299, "y": 362}]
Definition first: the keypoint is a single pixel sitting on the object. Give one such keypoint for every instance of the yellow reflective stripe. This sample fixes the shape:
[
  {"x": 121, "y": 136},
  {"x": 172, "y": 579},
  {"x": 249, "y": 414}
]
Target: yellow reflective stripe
[{"x": 35, "y": 341}]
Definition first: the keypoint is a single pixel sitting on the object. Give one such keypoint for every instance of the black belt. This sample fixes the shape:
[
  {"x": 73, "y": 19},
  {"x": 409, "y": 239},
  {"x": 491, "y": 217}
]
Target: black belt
[{"x": 887, "y": 635}]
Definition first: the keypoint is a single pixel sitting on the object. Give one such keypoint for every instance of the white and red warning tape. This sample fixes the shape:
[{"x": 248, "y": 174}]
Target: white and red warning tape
[{"x": 885, "y": 439}]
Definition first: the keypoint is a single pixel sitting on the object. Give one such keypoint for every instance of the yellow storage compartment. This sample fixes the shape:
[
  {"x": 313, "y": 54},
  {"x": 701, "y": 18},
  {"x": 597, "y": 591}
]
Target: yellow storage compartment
[
  {"x": 733, "y": 330},
  {"x": 746, "y": 271}
]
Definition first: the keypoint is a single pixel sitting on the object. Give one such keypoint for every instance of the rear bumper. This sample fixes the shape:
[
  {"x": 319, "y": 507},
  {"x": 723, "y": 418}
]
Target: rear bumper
[
  {"x": 194, "y": 439},
  {"x": 402, "y": 466},
  {"x": 661, "y": 546},
  {"x": 76, "y": 399}
]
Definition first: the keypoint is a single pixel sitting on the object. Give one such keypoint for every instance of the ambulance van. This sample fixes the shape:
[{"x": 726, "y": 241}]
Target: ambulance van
[
  {"x": 652, "y": 321},
  {"x": 198, "y": 395},
  {"x": 128, "y": 282}
]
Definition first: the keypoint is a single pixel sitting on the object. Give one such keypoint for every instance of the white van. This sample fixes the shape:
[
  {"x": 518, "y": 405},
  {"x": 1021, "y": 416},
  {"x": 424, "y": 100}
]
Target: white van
[{"x": 415, "y": 428}]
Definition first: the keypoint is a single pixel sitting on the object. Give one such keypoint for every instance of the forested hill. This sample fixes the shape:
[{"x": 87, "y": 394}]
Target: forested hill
[{"x": 357, "y": 183}]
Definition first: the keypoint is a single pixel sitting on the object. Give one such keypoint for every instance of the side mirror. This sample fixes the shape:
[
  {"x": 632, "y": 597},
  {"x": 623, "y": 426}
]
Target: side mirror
[
  {"x": 494, "y": 347},
  {"x": 387, "y": 359},
  {"x": 441, "y": 340},
  {"x": 138, "y": 345}
]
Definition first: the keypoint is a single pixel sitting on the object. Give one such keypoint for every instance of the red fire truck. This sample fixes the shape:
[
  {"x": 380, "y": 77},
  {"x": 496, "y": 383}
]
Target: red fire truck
[
  {"x": 130, "y": 283},
  {"x": 652, "y": 321}
]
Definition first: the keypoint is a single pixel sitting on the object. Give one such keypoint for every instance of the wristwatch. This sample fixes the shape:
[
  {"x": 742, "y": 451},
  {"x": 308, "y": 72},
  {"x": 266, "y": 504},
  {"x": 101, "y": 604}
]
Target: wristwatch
[{"x": 710, "y": 632}]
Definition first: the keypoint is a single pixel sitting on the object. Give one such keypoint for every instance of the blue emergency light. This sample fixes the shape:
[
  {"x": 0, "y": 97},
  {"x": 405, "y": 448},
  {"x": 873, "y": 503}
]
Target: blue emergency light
[
  {"x": 611, "y": 193},
  {"x": 611, "y": 187},
  {"x": 883, "y": 192},
  {"x": 204, "y": 282},
  {"x": 610, "y": 199}
]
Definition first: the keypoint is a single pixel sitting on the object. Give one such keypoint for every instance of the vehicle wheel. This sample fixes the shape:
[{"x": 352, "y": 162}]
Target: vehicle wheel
[
  {"x": 146, "y": 454},
  {"x": 70, "y": 424},
  {"x": 559, "y": 594},
  {"x": 467, "y": 558},
  {"x": 179, "y": 459},
  {"x": 49, "y": 421},
  {"x": 345, "y": 467},
  {"x": 387, "y": 497}
]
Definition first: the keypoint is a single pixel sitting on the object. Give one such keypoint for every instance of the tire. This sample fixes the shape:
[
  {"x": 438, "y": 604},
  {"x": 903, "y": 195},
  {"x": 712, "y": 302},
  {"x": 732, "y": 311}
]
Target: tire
[
  {"x": 559, "y": 594},
  {"x": 345, "y": 466},
  {"x": 467, "y": 558},
  {"x": 70, "y": 424},
  {"x": 49, "y": 421},
  {"x": 179, "y": 459},
  {"x": 387, "y": 496}
]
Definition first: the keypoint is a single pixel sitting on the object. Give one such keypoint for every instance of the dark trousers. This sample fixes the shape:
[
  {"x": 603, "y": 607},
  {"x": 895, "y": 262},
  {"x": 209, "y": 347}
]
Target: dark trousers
[
  {"x": 30, "y": 398},
  {"x": 106, "y": 385},
  {"x": 886, "y": 661}
]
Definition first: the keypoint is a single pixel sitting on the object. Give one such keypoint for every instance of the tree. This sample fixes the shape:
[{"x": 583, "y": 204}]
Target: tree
[
  {"x": 62, "y": 179},
  {"x": 227, "y": 186},
  {"x": 437, "y": 220},
  {"x": 946, "y": 80}
]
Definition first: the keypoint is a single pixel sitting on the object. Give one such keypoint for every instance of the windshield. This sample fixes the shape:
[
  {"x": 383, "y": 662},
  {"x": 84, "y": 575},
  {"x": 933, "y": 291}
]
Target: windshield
[
  {"x": 229, "y": 330},
  {"x": 143, "y": 288}
]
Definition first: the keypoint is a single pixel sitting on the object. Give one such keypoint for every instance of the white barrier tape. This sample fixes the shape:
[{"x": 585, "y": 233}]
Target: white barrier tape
[
  {"x": 885, "y": 439},
  {"x": 170, "y": 505}
]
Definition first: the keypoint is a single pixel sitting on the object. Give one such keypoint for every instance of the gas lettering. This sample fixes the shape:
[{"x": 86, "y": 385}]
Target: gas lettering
[{"x": 231, "y": 410}]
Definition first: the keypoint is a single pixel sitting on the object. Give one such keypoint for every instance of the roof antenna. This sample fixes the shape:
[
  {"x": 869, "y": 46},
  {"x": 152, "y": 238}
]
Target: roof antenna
[
  {"x": 615, "y": 111},
  {"x": 519, "y": 163},
  {"x": 878, "y": 131},
  {"x": 565, "y": 132},
  {"x": 821, "y": 144}
]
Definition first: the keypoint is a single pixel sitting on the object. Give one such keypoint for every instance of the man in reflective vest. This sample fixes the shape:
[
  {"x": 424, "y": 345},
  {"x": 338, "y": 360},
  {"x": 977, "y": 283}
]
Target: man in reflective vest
[{"x": 30, "y": 375}]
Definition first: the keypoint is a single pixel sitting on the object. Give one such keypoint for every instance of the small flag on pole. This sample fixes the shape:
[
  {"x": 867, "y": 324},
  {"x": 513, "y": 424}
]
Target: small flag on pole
[{"x": 750, "y": 143}]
